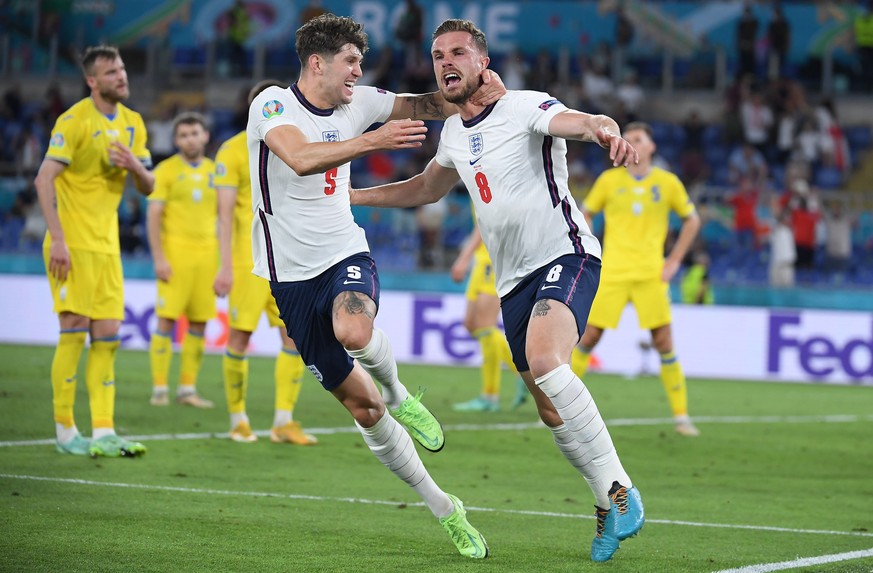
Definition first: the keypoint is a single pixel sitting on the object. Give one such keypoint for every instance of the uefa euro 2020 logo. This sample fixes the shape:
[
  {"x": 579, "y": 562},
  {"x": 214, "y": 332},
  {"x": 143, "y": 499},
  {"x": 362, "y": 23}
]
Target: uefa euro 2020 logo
[{"x": 273, "y": 108}]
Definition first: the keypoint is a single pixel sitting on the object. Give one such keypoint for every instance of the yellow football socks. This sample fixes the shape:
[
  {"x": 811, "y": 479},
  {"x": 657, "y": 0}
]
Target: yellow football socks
[
  {"x": 490, "y": 360},
  {"x": 579, "y": 362},
  {"x": 236, "y": 378},
  {"x": 100, "y": 379},
  {"x": 674, "y": 384},
  {"x": 503, "y": 349},
  {"x": 65, "y": 365},
  {"x": 192, "y": 359},
  {"x": 289, "y": 376},
  {"x": 160, "y": 356}
]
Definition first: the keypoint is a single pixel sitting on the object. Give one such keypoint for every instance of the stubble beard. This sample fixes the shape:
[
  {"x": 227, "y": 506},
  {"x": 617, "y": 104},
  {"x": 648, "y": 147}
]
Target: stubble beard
[{"x": 462, "y": 96}]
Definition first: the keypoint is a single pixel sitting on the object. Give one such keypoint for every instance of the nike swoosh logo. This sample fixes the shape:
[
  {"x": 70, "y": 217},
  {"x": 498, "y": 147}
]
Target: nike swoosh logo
[
  {"x": 473, "y": 161},
  {"x": 70, "y": 380},
  {"x": 97, "y": 133},
  {"x": 431, "y": 442},
  {"x": 475, "y": 542},
  {"x": 550, "y": 286},
  {"x": 108, "y": 383},
  {"x": 353, "y": 282}
]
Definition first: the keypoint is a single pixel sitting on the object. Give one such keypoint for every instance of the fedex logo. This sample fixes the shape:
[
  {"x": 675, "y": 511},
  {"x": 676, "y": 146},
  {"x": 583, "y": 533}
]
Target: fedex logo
[{"x": 818, "y": 356}]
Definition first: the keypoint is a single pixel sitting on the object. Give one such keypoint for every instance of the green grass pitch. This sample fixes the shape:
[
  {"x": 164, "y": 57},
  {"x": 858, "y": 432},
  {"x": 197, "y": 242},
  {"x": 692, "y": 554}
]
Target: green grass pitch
[{"x": 767, "y": 459}]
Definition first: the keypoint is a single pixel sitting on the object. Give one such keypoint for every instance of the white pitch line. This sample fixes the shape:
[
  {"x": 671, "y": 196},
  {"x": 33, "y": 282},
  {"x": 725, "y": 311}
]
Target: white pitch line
[
  {"x": 413, "y": 504},
  {"x": 830, "y": 419},
  {"x": 803, "y": 562}
]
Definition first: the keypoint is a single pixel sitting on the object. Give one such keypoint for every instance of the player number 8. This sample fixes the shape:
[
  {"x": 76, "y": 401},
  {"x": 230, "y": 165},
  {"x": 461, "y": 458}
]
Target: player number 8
[{"x": 484, "y": 189}]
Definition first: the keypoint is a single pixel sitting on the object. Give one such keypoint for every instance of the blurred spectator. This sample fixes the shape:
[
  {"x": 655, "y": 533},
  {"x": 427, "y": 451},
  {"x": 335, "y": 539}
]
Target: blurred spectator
[
  {"x": 312, "y": 10},
  {"x": 692, "y": 165},
  {"x": 239, "y": 28},
  {"x": 35, "y": 226},
  {"x": 430, "y": 223},
  {"x": 513, "y": 71},
  {"x": 786, "y": 132},
  {"x": 409, "y": 32},
  {"x": 13, "y": 103},
  {"x": 745, "y": 203},
  {"x": 631, "y": 95},
  {"x": 779, "y": 42},
  {"x": 746, "y": 37},
  {"x": 746, "y": 161},
  {"x": 240, "y": 110},
  {"x": 55, "y": 104},
  {"x": 30, "y": 149},
  {"x": 803, "y": 208},
  {"x": 130, "y": 226},
  {"x": 782, "y": 252},
  {"x": 757, "y": 119},
  {"x": 160, "y": 132},
  {"x": 863, "y": 32},
  {"x": 810, "y": 144},
  {"x": 696, "y": 287},
  {"x": 542, "y": 76},
  {"x": 624, "y": 37},
  {"x": 380, "y": 73},
  {"x": 838, "y": 237},
  {"x": 598, "y": 88},
  {"x": 832, "y": 132}
]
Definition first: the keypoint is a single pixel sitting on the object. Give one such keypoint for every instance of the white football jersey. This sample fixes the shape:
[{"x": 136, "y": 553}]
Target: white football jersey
[
  {"x": 516, "y": 174},
  {"x": 303, "y": 225}
]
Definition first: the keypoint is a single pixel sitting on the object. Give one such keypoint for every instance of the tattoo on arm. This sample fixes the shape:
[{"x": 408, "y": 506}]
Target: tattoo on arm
[
  {"x": 354, "y": 303},
  {"x": 542, "y": 308},
  {"x": 426, "y": 106}
]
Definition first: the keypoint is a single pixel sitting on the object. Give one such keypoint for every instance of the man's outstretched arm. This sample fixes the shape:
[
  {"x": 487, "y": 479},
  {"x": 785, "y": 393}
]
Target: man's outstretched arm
[{"x": 429, "y": 186}]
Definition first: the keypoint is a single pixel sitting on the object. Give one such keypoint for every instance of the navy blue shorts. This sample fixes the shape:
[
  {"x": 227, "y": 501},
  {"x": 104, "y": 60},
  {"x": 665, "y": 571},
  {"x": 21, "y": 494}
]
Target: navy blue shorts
[
  {"x": 570, "y": 279},
  {"x": 306, "y": 307}
]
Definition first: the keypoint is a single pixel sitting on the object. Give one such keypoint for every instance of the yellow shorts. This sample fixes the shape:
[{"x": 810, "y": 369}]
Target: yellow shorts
[
  {"x": 651, "y": 299},
  {"x": 482, "y": 279},
  {"x": 249, "y": 297},
  {"x": 189, "y": 290},
  {"x": 94, "y": 286}
]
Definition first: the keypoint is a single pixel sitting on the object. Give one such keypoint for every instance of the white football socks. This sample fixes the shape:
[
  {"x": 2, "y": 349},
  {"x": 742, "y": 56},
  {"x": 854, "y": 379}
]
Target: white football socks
[
  {"x": 378, "y": 360},
  {"x": 595, "y": 457},
  {"x": 392, "y": 445},
  {"x": 282, "y": 418}
]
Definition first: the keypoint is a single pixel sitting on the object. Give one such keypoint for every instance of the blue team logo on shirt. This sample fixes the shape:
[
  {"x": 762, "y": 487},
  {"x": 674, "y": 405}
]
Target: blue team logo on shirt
[
  {"x": 273, "y": 108},
  {"x": 476, "y": 144},
  {"x": 548, "y": 103},
  {"x": 57, "y": 140},
  {"x": 330, "y": 136}
]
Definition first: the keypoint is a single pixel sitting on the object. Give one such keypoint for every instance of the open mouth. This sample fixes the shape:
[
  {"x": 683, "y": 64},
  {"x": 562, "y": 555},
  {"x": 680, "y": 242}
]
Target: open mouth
[
  {"x": 451, "y": 79},
  {"x": 350, "y": 86}
]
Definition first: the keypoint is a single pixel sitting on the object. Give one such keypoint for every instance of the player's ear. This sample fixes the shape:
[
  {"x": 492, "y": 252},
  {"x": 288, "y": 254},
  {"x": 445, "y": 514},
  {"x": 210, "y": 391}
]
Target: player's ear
[{"x": 315, "y": 62}]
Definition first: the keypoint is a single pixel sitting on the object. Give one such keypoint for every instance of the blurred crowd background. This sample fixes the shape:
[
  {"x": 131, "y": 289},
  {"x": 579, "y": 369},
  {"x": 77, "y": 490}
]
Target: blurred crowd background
[{"x": 761, "y": 108}]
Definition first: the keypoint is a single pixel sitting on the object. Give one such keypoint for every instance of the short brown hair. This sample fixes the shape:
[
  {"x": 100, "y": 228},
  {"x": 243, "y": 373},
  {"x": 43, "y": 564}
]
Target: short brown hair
[
  {"x": 325, "y": 35},
  {"x": 93, "y": 53},
  {"x": 189, "y": 118},
  {"x": 262, "y": 85},
  {"x": 634, "y": 125},
  {"x": 455, "y": 25}
]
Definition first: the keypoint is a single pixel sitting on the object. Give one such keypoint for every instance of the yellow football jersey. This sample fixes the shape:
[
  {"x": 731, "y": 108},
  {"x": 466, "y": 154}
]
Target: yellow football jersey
[
  {"x": 232, "y": 170},
  {"x": 90, "y": 188},
  {"x": 190, "y": 203},
  {"x": 637, "y": 213}
]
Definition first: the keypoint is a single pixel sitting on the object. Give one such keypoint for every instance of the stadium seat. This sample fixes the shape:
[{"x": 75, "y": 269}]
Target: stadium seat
[
  {"x": 712, "y": 135},
  {"x": 858, "y": 136},
  {"x": 828, "y": 178}
]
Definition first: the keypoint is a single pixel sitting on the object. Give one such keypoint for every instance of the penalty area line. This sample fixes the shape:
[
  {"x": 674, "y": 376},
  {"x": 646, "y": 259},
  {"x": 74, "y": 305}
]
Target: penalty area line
[
  {"x": 533, "y": 513},
  {"x": 615, "y": 422},
  {"x": 801, "y": 562}
]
